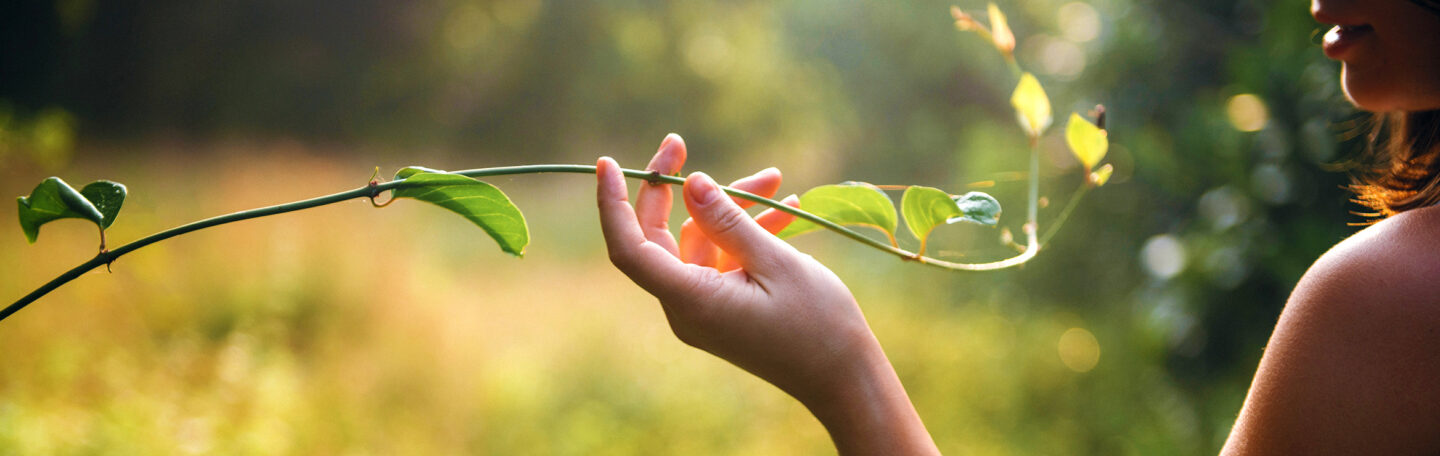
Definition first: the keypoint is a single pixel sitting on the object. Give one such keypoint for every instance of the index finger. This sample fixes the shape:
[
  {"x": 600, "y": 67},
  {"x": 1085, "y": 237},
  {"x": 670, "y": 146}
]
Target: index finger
[{"x": 648, "y": 264}]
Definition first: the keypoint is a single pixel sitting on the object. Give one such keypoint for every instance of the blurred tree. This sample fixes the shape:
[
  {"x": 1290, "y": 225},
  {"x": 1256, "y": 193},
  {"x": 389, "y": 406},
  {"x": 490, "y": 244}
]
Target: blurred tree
[{"x": 1226, "y": 119}]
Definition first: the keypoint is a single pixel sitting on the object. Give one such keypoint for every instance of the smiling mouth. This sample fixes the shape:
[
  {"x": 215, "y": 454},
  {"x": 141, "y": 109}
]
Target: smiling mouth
[{"x": 1343, "y": 38}]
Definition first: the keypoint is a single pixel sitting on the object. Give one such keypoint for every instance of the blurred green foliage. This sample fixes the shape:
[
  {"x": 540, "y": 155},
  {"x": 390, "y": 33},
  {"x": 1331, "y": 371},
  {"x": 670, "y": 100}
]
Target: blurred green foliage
[{"x": 340, "y": 331}]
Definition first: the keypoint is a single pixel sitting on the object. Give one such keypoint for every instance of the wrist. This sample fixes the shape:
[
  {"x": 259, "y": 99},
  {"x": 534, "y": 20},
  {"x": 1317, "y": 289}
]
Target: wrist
[{"x": 865, "y": 408}]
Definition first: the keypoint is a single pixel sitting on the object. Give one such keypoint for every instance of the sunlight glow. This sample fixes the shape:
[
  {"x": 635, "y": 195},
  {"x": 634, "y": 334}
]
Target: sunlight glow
[
  {"x": 1247, "y": 112},
  {"x": 1079, "y": 22},
  {"x": 1163, "y": 256},
  {"x": 1079, "y": 350},
  {"x": 1059, "y": 58},
  {"x": 708, "y": 54}
]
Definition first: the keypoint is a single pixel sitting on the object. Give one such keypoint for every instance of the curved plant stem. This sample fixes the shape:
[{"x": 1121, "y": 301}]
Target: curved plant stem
[
  {"x": 1065, "y": 214},
  {"x": 105, "y": 257}
]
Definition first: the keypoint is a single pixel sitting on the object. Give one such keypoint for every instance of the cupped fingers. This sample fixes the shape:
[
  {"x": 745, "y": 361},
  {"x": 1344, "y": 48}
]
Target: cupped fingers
[
  {"x": 733, "y": 230},
  {"x": 645, "y": 262},
  {"x": 695, "y": 248},
  {"x": 763, "y": 183},
  {"x": 772, "y": 220}
]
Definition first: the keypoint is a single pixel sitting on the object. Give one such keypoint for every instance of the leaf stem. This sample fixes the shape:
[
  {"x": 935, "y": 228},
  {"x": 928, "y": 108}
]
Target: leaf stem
[
  {"x": 1065, "y": 214},
  {"x": 105, "y": 257}
]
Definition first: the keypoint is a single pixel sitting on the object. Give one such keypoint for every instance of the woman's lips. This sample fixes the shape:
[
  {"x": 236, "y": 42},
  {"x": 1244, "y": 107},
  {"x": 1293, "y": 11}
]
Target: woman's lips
[{"x": 1341, "y": 39}]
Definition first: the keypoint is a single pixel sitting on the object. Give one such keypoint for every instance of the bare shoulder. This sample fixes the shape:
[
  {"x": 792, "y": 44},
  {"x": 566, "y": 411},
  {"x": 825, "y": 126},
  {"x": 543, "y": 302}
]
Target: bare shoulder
[
  {"x": 1394, "y": 261},
  {"x": 1352, "y": 366}
]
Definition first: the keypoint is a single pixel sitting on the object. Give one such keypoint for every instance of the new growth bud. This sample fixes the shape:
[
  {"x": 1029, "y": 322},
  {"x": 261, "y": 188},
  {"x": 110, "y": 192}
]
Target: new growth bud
[{"x": 1000, "y": 31}]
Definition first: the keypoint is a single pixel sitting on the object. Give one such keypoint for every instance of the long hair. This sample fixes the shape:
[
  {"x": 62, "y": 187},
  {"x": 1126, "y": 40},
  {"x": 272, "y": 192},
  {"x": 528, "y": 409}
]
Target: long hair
[{"x": 1402, "y": 169}]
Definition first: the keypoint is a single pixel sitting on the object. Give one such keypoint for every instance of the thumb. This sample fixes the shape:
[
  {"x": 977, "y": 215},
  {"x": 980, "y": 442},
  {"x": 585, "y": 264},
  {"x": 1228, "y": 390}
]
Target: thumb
[{"x": 731, "y": 229}]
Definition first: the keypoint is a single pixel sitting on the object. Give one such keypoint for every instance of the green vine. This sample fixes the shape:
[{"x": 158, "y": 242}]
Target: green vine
[{"x": 832, "y": 207}]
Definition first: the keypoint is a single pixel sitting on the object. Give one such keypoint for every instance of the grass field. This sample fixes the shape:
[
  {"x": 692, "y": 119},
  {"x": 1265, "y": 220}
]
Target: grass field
[{"x": 352, "y": 330}]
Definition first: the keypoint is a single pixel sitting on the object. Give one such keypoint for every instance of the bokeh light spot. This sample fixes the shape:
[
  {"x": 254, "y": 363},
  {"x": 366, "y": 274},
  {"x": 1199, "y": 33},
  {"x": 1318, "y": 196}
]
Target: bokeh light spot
[
  {"x": 1163, "y": 256},
  {"x": 1247, "y": 112},
  {"x": 1224, "y": 207},
  {"x": 53, "y": 138},
  {"x": 1063, "y": 58},
  {"x": 465, "y": 28},
  {"x": 1058, "y": 58},
  {"x": 1079, "y": 350},
  {"x": 1079, "y": 22},
  {"x": 1272, "y": 184},
  {"x": 708, "y": 54}
]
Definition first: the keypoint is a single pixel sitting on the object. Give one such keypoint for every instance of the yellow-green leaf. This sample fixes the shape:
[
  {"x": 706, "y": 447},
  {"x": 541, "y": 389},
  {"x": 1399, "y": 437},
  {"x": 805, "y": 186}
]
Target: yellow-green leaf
[
  {"x": 924, "y": 209},
  {"x": 481, "y": 203},
  {"x": 408, "y": 171},
  {"x": 1102, "y": 175},
  {"x": 851, "y": 203},
  {"x": 1000, "y": 31},
  {"x": 1032, "y": 106},
  {"x": 1087, "y": 141}
]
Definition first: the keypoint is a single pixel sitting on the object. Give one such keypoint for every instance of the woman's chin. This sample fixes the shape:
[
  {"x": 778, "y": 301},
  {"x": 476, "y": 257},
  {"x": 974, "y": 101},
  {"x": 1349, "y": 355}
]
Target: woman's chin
[
  {"x": 1381, "y": 93},
  {"x": 1365, "y": 92}
]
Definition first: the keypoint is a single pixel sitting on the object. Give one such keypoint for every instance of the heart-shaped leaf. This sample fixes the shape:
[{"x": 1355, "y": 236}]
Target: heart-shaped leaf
[
  {"x": 851, "y": 203},
  {"x": 481, "y": 203},
  {"x": 1087, "y": 141},
  {"x": 107, "y": 197},
  {"x": 977, "y": 207},
  {"x": 924, "y": 209},
  {"x": 1032, "y": 106},
  {"x": 53, "y": 200}
]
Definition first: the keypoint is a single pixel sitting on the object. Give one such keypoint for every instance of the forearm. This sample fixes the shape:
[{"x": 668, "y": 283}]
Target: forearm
[{"x": 867, "y": 412}]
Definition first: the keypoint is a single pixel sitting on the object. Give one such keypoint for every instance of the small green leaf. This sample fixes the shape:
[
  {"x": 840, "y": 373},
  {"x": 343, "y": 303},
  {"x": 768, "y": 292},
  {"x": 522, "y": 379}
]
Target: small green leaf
[
  {"x": 481, "y": 203},
  {"x": 1087, "y": 141},
  {"x": 1102, "y": 175},
  {"x": 107, "y": 197},
  {"x": 851, "y": 203},
  {"x": 924, "y": 209},
  {"x": 408, "y": 171},
  {"x": 1032, "y": 106},
  {"x": 977, "y": 207},
  {"x": 53, "y": 200}
]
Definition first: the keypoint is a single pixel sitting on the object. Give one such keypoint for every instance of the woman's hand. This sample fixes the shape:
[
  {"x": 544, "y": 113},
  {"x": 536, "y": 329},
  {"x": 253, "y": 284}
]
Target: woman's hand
[{"x": 774, "y": 312}]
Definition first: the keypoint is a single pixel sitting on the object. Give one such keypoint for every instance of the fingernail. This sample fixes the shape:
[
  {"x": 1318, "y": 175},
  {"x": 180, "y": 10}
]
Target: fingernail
[
  {"x": 669, "y": 138},
  {"x": 702, "y": 188}
]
